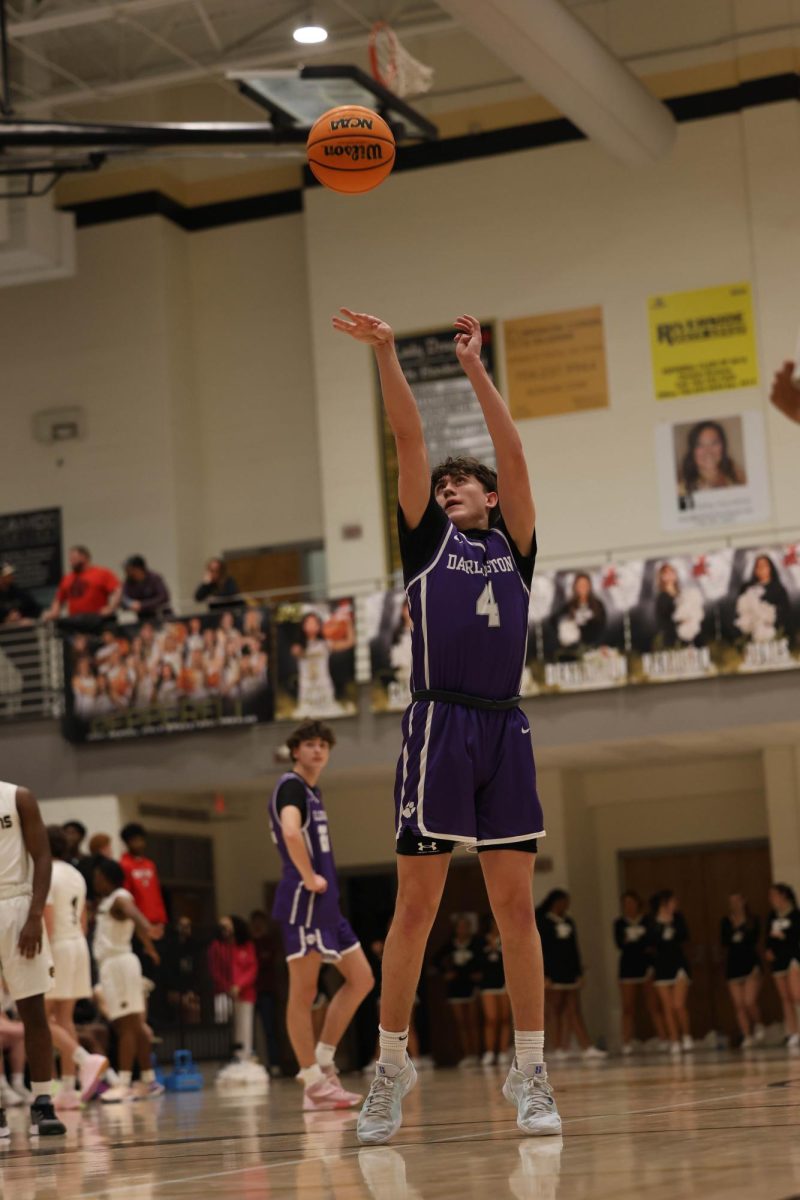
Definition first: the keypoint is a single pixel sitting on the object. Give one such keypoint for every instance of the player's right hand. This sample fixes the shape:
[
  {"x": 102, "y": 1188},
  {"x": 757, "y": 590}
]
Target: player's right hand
[
  {"x": 372, "y": 331},
  {"x": 318, "y": 884}
]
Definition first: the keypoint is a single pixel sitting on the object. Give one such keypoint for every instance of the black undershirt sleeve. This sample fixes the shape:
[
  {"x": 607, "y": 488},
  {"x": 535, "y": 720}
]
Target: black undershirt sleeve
[
  {"x": 525, "y": 562},
  {"x": 292, "y": 792},
  {"x": 418, "y": 546}
]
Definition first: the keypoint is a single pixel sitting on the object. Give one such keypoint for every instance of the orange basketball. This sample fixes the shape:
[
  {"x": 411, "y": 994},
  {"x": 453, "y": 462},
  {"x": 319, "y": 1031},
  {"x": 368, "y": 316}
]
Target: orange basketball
[{"x": 350, "y": 149}]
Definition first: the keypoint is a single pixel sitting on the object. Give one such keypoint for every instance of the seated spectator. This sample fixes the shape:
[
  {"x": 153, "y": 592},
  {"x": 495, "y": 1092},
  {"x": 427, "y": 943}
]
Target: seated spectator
[
  {"x": 218, "y": 589},
  {"x": 144, "y": 591},
  {"x": 17, "y": 607},
  {"x": 87, "y": 591}
]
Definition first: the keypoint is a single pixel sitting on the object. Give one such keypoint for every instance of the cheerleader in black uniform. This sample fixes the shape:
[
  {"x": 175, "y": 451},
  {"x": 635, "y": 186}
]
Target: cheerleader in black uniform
[
  {"x": 495, "y": 1005},
  {"x": 783, "y": 955},
  {"x": 672, "y": 979},
  {"x": 459, "y": 962},
  {"x": 633, "y": 934},
  {"x": 739, "y": 933},
  {"x": 563, "y": 972}
]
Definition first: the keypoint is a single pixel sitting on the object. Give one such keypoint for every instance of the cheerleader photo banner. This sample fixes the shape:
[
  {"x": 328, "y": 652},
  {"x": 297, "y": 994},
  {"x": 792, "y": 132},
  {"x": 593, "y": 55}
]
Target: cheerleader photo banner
[
  {"x": 315, "y": 660},
  {"x": 169, "y": 676}
]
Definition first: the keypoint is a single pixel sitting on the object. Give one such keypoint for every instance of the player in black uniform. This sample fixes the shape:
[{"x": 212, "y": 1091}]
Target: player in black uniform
[
  {"x": 783, "y": 955},
  {"x": 495, "y": 1008},
  {"x": 563, "y": 971},
  {"x": 633, "y": 935},
  {"x": 672, "y": 978},
  {"x": 739, "y": 934},
  {"x": 459, "y": 962}
]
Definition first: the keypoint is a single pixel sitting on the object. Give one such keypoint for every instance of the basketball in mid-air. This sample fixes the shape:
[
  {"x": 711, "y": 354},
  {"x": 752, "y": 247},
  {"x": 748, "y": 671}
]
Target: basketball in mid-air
[{"x": 350, "y": 149}]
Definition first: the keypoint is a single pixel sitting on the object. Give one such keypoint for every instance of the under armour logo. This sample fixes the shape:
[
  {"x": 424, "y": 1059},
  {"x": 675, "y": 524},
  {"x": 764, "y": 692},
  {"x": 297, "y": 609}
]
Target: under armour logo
[{"x": 422, "y": 848}]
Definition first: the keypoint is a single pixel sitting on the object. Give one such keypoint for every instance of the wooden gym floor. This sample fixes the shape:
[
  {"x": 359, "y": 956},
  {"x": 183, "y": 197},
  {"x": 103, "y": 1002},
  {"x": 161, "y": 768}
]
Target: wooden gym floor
[{"x": 716, "y": 1126}]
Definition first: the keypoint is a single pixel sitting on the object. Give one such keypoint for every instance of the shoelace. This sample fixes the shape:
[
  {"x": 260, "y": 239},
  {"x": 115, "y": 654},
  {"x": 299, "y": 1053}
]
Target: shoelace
[
  {"x": 379, "y": 1100},
  {"x": 537, "y": 1098}
]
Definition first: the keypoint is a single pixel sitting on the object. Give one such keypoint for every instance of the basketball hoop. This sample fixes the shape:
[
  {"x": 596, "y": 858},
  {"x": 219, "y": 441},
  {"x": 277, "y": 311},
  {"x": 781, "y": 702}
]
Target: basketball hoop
[{"x": 393, "y": 66}]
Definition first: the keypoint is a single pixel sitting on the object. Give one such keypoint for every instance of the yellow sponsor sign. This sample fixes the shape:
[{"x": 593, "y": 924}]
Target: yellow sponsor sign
[
  {"x": 703, "y": 341},
  {"x": 556, "y": 363}
]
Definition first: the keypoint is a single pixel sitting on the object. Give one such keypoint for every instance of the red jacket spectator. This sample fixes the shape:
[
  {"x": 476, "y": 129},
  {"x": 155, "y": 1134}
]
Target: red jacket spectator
[
  {"x": 86, "y": 588},
  {"x": 141, "y": 880},
  {"x": 220, "y": 965},
  {"x": 245, "y": 971}
]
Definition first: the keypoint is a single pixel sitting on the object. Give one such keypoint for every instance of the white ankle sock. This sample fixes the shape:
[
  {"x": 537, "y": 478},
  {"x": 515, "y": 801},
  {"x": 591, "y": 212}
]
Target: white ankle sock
[
  {"x": 125, "y": 1078},
  {"x": 325, "y": 1054},
  {"x": 529, "y": 1048},
  {"x": 111, "y": 1077},
  {"x": 42, "y": 1089},
  {"x": 68, "y": 1083},
  {"x": 148, "y": 1076},
  {"x": 80, "y": 1056},
  {"x": 394, "y": 1047},
  {"x": 18, "y": 1081},
  {"x": 311, "y": 1075}
]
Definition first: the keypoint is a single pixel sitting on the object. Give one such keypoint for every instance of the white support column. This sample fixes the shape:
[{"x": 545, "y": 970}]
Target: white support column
[{"x": 782, "y": 787}]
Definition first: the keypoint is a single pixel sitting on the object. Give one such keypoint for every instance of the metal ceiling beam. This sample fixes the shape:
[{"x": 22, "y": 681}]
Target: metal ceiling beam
[
  {"x": 93, "y": 15},
  {"x": 161, "y": 79}
]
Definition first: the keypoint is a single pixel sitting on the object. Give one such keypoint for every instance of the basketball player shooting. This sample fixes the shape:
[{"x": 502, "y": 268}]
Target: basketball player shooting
[{"x": 466, "y": 773}]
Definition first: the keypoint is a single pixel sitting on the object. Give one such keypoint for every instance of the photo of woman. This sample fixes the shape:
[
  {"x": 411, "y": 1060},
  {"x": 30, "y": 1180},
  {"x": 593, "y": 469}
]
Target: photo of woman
[
  {"x": 679, "y": 611},
  {"x": 706, "y": 463},
  {"x": 581, "y": 622},
  {"x": 316, "y": 660},
  {"x": 763, "y": 611}
]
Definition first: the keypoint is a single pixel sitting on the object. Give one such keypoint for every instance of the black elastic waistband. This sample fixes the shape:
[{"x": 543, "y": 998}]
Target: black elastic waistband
[{"x": 467, "y": 701}]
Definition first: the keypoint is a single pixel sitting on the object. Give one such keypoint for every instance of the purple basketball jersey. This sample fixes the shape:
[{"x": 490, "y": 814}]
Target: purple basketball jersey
[
  {"x": 293, "y": 902},
  {"x": 469, "y": 610}
]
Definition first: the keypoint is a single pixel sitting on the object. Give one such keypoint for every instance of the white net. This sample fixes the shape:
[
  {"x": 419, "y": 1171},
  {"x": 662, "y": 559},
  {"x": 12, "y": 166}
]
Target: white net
[{"x": 393, "y": 66}]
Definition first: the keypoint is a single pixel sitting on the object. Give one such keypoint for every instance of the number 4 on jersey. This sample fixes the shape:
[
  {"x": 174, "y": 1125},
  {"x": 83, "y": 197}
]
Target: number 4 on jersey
[{"x": 487, "y": 606}]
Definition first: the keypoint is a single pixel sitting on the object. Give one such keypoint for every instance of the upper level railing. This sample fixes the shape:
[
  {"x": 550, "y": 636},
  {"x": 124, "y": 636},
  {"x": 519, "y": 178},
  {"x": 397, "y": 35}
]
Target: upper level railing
[{"x": 31, "y": 672}]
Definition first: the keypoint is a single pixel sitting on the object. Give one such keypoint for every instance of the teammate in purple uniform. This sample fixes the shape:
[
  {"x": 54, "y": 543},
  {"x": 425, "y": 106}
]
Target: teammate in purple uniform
[
  {"x": 466, "y": 773},
  {"x": 314, "y": 930}
]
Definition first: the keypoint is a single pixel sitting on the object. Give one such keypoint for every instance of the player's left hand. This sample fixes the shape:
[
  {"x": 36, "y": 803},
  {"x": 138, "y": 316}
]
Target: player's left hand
[
  {"x": 30, "y": 939},
  {"x": 468, "y": 340}
]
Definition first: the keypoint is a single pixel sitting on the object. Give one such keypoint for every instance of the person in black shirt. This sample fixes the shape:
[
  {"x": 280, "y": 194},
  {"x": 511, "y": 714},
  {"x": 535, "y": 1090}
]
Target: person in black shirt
[
  {"x": 144, "y": 591},
  {"x": 459, "y": 962},
  {"x": 783, "y": 955},
  {"x": 17, "y": 607},
  {"x": 495, "y": 1005},
  {"x": 672, "y": 978},
  {"x": 563, "y": 973},
  {"x": 633, "y": 935},
  {"x": 218, "y": 589},
  {"x": 739, "y": 933}
]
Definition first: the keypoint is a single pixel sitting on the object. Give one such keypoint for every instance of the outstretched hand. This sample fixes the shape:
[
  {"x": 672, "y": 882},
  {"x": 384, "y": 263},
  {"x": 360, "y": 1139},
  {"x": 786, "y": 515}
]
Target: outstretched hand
[
  {"x": 372, "y": 331},
  {"x": 468, "y": 340},
  {"x": 785, "y": 395}
]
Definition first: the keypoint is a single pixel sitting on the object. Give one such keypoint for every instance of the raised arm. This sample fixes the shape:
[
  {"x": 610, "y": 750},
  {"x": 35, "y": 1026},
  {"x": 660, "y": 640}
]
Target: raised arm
[
  {"x": 513, "y": 482},
  {"x": 37, "y": 844},
  {"x": 414, "y": 475}
]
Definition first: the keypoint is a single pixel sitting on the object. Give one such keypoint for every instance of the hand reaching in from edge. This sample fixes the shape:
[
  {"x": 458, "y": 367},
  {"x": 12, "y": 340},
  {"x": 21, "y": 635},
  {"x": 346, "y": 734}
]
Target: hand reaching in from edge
[
  {"x": 785, "y": 395},
  {"x": 468, "y": 340},
  {"x": 372, "y": 331}
]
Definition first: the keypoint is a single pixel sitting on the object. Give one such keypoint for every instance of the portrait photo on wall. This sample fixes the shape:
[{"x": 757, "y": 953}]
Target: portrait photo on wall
[
  {"x": 388, "y": 632},
  {"x": 712, "y": 471},
  {"x": 676, "y": 626},
  {"x": 579, "y": 628},
  {"x": 761, "y": 614},
  {"x": 169, "y": 676},
  {"x": 315, "y": 667}
]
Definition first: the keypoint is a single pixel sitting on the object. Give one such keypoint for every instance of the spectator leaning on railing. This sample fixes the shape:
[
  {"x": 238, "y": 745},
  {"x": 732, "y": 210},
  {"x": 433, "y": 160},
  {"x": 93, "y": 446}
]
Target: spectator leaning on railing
[
  {"x": 87, "y": 591},
  {"x": 17, "y": 607},
  {"x": 144, "y": 591},
  {"x": 218, "y": 589}
]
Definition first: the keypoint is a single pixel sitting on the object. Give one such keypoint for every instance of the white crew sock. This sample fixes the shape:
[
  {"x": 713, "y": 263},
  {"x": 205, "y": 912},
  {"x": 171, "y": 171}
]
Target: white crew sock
[
  {"x": 42, "y": 1089},
  {"x": 68, "y": 1083},
  {"x": 18, "y": 1081},
  {"x": 148, "y": 1076},
  {"x": 80, "y": 1056},
  {"x": 394, "y": 1047},
  {"x": 325, "y": 1054},
  {"x": 111, "y": 1077},
  {"x": 125, "y": 1078},
  {"x": 529, "y": 1048},
  {"x": 310, "y": 1075}
]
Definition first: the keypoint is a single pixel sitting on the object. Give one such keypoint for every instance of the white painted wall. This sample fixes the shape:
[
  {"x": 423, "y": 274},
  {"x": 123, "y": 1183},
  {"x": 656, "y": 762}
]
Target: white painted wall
[{"x": 100, "y": 814}]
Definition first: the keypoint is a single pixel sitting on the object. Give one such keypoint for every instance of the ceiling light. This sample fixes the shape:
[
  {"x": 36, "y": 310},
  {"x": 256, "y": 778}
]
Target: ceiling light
[{"x": 308, "y": 34}]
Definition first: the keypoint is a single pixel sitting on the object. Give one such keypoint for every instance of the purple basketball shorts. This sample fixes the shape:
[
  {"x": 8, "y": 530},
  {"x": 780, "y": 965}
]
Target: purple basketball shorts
[{"x": 331, "y": 941}]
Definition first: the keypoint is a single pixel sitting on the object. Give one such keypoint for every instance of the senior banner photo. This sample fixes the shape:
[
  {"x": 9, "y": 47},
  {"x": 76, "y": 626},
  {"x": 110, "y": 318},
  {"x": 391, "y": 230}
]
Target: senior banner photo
[
  {"x": 761, "y": 612},
  {"x": 170, "y": 676},
  {"x": 388, "y": 633},
  {"x": 315, "y": 665}
]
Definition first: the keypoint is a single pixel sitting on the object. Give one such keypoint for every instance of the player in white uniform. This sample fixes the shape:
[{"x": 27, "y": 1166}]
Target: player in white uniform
[
  {"x": 65, "y": 920},
  {"x": 25, "y": 959},
  {"x": 121, "y": 979}
]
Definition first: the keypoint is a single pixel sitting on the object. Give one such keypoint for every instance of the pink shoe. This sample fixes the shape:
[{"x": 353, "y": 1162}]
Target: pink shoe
[
  {"x": 324, "y": 1094},
  {"x": 67, "y": 1098},
  {"x": 90, "y": 1073},
  {"x": 349, "y": 1098},
  {"x": 147, "y": 1091}
]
